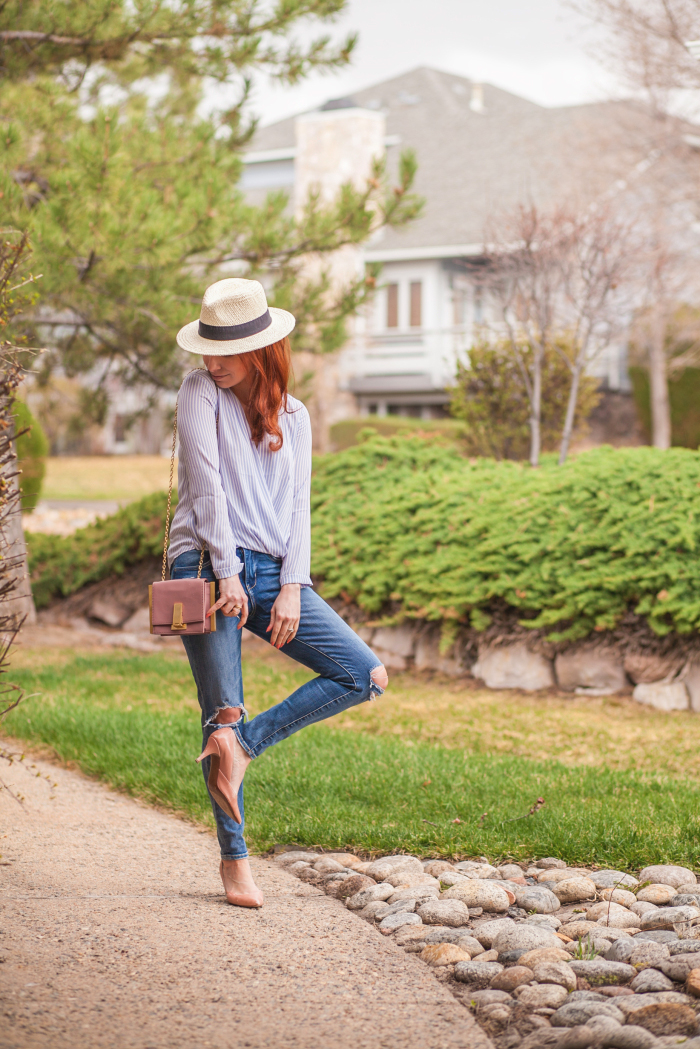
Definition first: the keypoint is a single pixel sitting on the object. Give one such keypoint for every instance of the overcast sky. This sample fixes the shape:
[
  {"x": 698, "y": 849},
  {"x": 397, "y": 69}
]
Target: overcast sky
[{"x": 535, "y": 48}]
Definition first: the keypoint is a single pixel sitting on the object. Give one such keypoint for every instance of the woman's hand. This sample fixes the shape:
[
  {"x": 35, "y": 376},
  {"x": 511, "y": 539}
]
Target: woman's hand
[
  {"x": 286, "y": 611},
  {"x": 233, "y": 599}
]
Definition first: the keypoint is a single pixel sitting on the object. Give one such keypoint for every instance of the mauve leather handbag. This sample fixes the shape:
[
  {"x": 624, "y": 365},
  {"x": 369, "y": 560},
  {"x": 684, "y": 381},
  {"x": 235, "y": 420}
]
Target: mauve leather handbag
[{"x": 179, "y": 606}]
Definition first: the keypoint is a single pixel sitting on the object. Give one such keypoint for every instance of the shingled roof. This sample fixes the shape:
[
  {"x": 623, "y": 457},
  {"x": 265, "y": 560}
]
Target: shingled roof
[{"x": 476, "y": 161}]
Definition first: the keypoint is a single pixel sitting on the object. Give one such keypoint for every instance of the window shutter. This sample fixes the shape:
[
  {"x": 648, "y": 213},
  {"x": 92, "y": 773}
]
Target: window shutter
[
  {"x": 416, "y": 296},
  {"x": 392, "y": 305}
]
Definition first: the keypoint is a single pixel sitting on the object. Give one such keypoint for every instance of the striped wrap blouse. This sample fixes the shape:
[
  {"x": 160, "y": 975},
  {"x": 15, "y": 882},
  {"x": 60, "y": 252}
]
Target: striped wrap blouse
[{"x": 234, "y": 494}]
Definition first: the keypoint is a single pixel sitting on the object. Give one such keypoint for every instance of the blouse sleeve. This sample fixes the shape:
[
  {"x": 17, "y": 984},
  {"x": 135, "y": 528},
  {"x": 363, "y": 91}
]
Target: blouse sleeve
[
  {"x": 199, "y": 450},
  {"x": 296, "y": 564}
]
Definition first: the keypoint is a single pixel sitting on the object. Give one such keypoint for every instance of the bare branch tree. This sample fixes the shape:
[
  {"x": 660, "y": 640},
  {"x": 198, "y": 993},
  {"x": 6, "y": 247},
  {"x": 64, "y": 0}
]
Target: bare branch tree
[
  {"x": 655, "y": 45},
  {"x": 654, "y": 318},
  {"x": 16, "y": 603},
  {"x": 557, "y": 278},
  {"x": 669, "y": 286},
  {"x": 598, "y": 271},
  {"x": 525, "y": 251},
  {"x": 13, "y": 557},
  {"x": 649, "y": 41}
]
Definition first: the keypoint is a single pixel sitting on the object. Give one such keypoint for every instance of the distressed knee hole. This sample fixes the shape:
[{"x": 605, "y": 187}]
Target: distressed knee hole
[{"x": 380, "y": 677}]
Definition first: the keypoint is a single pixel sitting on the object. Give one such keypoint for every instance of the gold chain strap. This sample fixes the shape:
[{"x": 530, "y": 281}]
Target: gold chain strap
[{"x": 170, "y": 499}]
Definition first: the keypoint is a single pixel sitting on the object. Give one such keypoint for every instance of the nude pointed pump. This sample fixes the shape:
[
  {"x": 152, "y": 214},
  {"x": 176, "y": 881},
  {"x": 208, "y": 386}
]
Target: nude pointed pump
[
  {"x": 242, "y": 899},
  {"x": 228, "y": 764}
]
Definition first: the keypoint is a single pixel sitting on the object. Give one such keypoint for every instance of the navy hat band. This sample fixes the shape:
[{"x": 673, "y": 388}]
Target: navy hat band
[{"x": 230, "y": 332}]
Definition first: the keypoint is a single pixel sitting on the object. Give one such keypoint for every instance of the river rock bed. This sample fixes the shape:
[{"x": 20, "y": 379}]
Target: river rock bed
[{"x": 542, "y": 954}]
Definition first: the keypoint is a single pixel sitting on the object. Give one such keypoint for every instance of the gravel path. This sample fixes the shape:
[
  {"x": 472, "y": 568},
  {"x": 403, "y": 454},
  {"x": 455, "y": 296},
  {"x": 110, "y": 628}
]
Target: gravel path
[{"x": 114, "y": 933}]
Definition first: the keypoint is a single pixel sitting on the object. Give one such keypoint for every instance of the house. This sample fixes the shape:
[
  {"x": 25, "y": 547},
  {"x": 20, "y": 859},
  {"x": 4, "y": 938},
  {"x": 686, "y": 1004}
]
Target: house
[{"x": 481, "y": 151}]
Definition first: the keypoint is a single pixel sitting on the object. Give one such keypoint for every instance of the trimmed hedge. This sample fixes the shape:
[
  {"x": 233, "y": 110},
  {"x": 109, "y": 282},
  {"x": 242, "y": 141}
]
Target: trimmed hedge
[
  {"x": 406, "y": 528},
  {"x": 408, "y": 525}
]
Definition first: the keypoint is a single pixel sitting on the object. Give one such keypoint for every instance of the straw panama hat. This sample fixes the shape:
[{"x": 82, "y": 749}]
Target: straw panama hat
[{"x": 234, "y": 318}]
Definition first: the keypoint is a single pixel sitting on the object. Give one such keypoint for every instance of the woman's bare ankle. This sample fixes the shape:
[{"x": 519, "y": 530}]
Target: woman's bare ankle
[
  {"x": 227, "y": 716},
  {"x": 237, "y": 875}
]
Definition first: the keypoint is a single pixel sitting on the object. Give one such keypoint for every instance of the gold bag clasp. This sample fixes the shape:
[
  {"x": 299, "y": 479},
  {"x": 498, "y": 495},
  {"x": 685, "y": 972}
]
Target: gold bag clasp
[{"x": 177, "y": 623}]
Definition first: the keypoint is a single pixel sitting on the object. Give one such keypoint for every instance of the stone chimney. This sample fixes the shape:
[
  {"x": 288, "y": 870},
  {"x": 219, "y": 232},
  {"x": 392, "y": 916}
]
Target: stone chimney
[{"x": 334, "y": 145}]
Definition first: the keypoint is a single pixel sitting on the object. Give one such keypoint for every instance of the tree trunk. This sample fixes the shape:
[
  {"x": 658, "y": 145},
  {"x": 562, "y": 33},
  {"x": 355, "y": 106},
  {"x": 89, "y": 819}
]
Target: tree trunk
[
  {"x": 658, "y": 387},
  {"x": 536, "y": 408},
  {"x": 570, "y": 413},
  {"x": 18, "y": 605}
]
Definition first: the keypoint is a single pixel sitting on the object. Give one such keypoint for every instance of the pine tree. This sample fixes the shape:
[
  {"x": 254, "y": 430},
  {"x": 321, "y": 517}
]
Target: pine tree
[{"x": 128, "y": 192}]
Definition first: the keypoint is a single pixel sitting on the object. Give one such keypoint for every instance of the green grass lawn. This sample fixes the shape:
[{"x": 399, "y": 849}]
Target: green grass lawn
[{"x": 431, "y": 768}]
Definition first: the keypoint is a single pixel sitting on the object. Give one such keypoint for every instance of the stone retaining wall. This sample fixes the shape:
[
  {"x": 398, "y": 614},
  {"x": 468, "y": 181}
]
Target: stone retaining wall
[{"x": 669, "y": 682}]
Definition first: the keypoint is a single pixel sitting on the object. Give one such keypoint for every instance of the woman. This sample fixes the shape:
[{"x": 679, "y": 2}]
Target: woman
[{"x": 243, "y": 485}]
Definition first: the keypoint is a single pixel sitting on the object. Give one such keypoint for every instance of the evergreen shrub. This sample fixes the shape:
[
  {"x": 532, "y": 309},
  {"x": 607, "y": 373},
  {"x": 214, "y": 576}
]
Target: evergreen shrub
[{"x": 406, "y": 527}]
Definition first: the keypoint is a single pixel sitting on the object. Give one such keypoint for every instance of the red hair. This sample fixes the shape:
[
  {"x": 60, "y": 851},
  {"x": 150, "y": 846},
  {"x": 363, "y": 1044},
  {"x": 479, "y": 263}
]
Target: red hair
[{"x": 269, "y": 369}]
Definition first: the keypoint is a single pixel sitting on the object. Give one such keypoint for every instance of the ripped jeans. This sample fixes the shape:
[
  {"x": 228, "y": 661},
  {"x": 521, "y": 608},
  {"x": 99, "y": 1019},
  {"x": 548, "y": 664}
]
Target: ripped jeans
[{"x": 324, "y": 643}]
